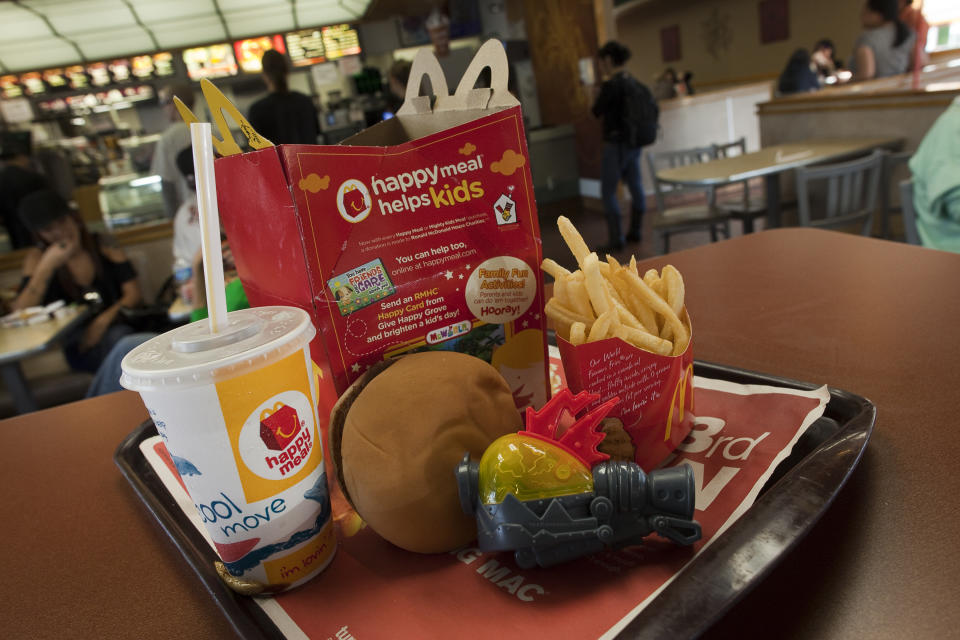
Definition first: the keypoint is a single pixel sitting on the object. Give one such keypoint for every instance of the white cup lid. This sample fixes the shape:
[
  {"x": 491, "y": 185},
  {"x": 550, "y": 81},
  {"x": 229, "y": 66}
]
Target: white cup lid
[{"x": 191, "y": 355}]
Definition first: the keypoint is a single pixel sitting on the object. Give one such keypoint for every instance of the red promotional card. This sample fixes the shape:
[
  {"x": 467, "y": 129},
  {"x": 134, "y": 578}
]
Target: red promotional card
[{"x": 740, "y": 434}]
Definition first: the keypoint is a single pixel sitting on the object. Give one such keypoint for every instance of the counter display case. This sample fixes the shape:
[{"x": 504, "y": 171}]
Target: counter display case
[{"x": 129, "y": 199}]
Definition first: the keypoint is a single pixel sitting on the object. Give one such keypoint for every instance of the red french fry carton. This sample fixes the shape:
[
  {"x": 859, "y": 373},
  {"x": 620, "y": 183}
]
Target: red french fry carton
[
  {"x": 278, "y": 426},
  {"x": 419, "y": 233},
  {"x": 656, "y": 392}
]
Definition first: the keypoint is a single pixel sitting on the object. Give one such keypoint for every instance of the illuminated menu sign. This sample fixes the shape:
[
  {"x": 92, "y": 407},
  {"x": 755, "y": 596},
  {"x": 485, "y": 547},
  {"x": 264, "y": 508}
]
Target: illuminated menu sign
[
  {"x": 33, "y": 83},
  {"x": 214, "y": 61},
  {"x": 250, "y": 51},
  {"x": 54, "y": 78},
  {"x": 99, "y": 74},
  {"x": 120, "y": 70},
  {"x": 340, "y": 40},
  {"x": 77, "y": 77},
  {"x": 163, "y": 64},
  {"x": 142, "y": 66},
  {"x": 305, "y": 47},
  {"x": 9, "y": 87}
]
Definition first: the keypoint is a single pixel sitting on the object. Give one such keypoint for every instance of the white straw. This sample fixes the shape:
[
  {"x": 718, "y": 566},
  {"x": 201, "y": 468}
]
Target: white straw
[{"x": 209, "y": 225}]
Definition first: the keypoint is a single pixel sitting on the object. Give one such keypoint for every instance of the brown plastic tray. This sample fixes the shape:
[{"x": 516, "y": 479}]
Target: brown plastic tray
[{"x": 796, "y": 495}]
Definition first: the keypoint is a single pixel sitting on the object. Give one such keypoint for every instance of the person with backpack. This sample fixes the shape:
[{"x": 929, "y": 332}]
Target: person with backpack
[{"x": 630, "y": 115}]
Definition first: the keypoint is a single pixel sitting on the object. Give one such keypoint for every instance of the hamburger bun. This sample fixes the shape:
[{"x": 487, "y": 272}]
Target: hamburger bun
[{"x": 397, "y": 434}]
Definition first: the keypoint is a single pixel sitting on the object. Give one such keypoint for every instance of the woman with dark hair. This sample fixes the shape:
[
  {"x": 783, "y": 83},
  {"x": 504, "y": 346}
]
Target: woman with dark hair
[
  {"x": 283, "y": 116},
  {"x": 799, "y": 75},
  {"x": 70, "y": 263},
  {"x": 885, "y": 47}
]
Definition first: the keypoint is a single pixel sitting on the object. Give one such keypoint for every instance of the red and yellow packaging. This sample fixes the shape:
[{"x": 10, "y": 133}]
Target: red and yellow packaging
[
  {"x": 656, "y": 392},
  {"x": 419, "y": 233}
]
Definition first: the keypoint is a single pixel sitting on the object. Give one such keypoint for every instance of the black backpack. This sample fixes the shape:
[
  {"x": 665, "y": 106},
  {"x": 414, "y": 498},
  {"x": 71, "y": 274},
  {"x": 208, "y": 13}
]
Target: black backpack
[{"x": 640, "y": 113}]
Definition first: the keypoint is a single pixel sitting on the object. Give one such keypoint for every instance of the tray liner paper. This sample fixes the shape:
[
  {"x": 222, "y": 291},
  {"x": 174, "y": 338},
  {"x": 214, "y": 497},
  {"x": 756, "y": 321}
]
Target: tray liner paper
[{"x": 373, "y": 589}]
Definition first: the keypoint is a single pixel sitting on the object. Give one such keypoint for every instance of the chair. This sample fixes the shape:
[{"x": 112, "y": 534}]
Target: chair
[
  {"x": 890, "y": 163},
  {"x": 745, "y": 209},
  {"x": 684, "y": 217},
  {"x": 851, "y": 196},
  {"x": 909, "y": 213}
]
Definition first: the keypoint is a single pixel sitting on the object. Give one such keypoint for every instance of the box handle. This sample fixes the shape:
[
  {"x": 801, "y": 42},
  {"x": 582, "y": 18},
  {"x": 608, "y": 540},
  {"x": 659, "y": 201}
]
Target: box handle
[{"x": 424, "y": 63}]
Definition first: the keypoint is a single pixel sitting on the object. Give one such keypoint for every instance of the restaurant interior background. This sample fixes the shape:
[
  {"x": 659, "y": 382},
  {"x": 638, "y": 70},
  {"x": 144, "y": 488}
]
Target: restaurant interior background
[{"x": 83, "y": 78}]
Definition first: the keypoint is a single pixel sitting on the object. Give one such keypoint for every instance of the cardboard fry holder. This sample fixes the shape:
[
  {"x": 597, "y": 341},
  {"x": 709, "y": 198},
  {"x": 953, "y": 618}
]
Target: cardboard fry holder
[
  {"x": 656, "y": 392},
  {"x": 419, "y": 233}
]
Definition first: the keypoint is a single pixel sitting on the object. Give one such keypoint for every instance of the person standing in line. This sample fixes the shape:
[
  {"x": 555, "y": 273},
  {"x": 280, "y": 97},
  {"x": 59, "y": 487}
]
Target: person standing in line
[
  {"x": 283, "y": 116},
  {"x": 17, "y": 179},
  {"x": 174, "y": 138},
  {"x": 629, "y": 114}
]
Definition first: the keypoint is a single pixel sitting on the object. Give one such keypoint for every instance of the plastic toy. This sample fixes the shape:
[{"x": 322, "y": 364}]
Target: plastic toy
[{"x": 552, "y": 498}]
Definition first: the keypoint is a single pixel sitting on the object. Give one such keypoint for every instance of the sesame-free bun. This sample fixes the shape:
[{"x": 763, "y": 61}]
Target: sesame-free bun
[{"x": 396, "y": 442}]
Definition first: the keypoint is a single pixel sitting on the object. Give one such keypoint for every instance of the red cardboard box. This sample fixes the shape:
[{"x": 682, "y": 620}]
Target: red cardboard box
[
  {"x": 656, "y": 392},
  {"x": 279, "y": 426},
  {"x": 419, "y": 233}
]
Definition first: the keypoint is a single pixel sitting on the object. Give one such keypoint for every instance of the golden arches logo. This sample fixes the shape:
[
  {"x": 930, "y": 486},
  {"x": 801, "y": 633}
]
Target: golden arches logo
[
  {"x": 686, "y": 377},
  {"x": 218, "y": 105}
]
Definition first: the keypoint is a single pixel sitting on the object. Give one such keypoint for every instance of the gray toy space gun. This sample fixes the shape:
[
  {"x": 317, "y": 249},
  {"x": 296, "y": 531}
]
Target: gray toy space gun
[{"x": 552, "y": 499}]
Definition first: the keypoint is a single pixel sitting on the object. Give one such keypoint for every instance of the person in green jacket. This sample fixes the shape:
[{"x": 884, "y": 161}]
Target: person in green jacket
[{"x": 936, "y": 182}]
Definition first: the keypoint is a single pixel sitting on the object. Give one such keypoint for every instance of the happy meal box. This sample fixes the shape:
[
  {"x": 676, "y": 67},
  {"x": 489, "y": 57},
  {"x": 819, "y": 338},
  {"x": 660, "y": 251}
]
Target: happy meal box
[{"x": 419, "y": 233}]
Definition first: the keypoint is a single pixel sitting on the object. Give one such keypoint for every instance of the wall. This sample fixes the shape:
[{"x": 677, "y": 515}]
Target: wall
[{"x": 739, "y": 57}]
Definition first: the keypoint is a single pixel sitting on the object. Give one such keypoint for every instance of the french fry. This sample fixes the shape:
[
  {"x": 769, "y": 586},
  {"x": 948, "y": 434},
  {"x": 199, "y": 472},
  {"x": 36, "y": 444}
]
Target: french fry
[
  {"x": 614, "y": 265},
  {"x": 594, "y": 282},
  {"x": 601, "y": 327},
  {"x": 577, "y": 293},
  {"x": 641, "y": 312},
  {"x": 560, "y": 293},
  {"x": 650, "y": 277},
  {"x": 555, "y": 270},
  {"x": 578, "y": 333},
  {"x": 660, "y": 306},
  {"x": 645, "y": 340},
  {"x": 564, "y": 317},
  {"x": 673, "y": 282},
  {"x": 573, "y": 239}
]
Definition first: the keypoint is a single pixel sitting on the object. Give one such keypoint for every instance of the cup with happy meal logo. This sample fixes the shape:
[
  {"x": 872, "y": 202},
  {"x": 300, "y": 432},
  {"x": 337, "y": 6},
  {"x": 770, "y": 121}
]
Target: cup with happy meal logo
[{"x": 237, "y": 411}]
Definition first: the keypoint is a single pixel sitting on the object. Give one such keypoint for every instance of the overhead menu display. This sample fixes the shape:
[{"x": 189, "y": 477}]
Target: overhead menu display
[
  {"x": 142, "y": 66},
  {"x": 305, "y": 47},
  {"x": 9, "y": 87},
  {"x": 214, "y": 61},
  {"x": 54, "y": 79},
  {"x": 77, "y": 76},
  {"x": 250, "y": 51},
  {"x": 33, "y": 83},
  {"x": 340, "y": 40},
  {"x": 120, "y": 70},
  {"x": 163, "y": 64},
  {"x": 99, "y": 74}
]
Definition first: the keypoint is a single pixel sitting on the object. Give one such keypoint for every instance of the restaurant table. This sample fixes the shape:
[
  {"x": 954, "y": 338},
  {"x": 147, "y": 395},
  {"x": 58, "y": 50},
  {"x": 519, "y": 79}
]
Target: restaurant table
[
  {"x": 83, "y": 557},
  {"x": 770, "y": 162},
  {"x": 17, "y": 343}
]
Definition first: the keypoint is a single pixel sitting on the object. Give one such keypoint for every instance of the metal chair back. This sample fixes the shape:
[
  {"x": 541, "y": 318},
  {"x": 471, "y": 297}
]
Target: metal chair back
[
  {"x": 659, "y": 160},
  {"x": 891, "y": 161},
  {"x": 851, "y": 193},
  {"x": 909, "y": 213},
  {"x": 725, "y": 150}
]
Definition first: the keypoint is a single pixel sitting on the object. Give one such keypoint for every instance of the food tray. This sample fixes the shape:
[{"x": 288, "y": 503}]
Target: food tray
[{"x": 797, "y": 494}]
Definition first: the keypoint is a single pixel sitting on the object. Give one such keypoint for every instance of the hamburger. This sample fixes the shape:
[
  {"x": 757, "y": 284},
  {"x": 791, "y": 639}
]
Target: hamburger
[{"x": 398, "y": 433}]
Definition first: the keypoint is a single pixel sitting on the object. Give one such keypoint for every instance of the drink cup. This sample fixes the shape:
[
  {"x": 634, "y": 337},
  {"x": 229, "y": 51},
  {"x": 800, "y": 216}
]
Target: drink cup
[{"x": 237, "y": 411}]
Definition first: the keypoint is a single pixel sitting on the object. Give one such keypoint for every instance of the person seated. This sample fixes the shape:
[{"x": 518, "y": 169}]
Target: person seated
[
  {"x": 799, "y": 75},
  {"x": 665, "y": 87},
  {"x": 69, "y": 263},
  {"x": 936, "y": 182},
  {"x": 823, "y": 61},
  {"x": 885, "y": 47}
]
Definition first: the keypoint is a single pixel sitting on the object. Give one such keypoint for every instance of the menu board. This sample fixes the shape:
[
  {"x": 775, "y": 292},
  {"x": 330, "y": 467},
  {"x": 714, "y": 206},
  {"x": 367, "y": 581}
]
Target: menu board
[
  {"x": 77, "y": 77},
  {"x": 120, "y": 70},
  {"x": 340, "y": 40},
  {"x": 163, "y": 64},
  {"x": 142, "y": 66},
  {"x": 305, "y": 47},
  {"x": 250, "y": 51},
  {"x": 9, "y": 87},
  {"x": 99, "y": 74},
  {"x": 214, "y": 61},
  {"x": 54, "y": 79},
  {"x": 32, "y": 83}
]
